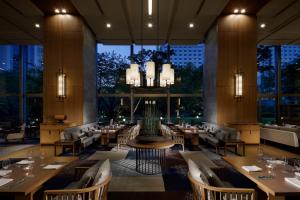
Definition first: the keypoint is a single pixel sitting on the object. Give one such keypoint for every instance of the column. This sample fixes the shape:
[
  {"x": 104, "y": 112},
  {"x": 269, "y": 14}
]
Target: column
[
  {"x": 70, "y": 46},
  {"x": 230, "y": 48}
]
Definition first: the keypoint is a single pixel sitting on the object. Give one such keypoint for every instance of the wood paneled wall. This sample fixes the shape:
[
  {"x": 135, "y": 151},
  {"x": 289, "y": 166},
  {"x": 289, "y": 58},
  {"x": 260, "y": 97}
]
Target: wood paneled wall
[
  {"x": 235, "y": 51},
  {"x": 64, "y": 49}
]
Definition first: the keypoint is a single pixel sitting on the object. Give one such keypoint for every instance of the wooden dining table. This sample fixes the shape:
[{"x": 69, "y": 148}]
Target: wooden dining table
[
  {"x": 25, "y": 183},
  {"x": 276, "y": 187},
  {"x": 191, "y": 133}
]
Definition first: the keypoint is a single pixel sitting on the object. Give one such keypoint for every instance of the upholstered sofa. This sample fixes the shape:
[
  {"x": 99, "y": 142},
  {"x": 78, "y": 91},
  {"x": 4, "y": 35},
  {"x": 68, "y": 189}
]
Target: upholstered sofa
[
  {"x": 93, "y": 185},
  {"x": 280, "y": 134},
  {"x": 207, "y": 185},
  {"x": 17, "y": 136},
  {"x": 86, "y": 133},
  {"x": 214, "y": 134}
]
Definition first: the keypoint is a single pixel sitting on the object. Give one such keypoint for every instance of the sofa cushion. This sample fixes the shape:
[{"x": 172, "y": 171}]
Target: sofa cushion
[
  {"x": 87, "y": 141},
  {"x": 75, "y": 135},
  {"x": 92, "y": 171},
  {"x": 196, "y": 173},
  {"x": 212, "y": 178},
  {"x": 103, "y": 173},
  {"x": 67, "y": 135}
]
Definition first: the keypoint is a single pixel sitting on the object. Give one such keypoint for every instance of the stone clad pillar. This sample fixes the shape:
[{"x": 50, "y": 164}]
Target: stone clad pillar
[
  {"x": 230, "y": 48},
  {"x": 69, "y": 45}
]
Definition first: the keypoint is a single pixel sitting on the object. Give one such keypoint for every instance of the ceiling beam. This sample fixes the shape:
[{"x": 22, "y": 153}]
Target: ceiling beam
[
  {"x": 99, "y": 8},
  {"x": 281, "y": 26},
  {"x": 126, "y": 14},
  {"x": 172, "y": 19}
]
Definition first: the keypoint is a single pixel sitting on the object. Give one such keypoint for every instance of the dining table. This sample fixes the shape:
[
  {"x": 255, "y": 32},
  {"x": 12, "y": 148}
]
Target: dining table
[
  {"x": 275, "y": 184},
  {"x": 191, "y": 133},
  {"x": 29, "y": 175}
]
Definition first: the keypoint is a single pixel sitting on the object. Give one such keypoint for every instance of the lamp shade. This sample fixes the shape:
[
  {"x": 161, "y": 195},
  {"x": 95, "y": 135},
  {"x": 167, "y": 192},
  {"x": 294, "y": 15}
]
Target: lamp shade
[
  {"x": 162, "y": 83},
  {"x": 150, "y": 70},
  {"x": 128, "y": 76},
  {"x": 238, "y": 85},
  {"x": 172, "y": 75}
]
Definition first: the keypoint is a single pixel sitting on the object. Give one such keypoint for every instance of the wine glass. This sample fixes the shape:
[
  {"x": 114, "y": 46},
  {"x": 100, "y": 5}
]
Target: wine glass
[
  {"x": 260, "y": 153},
  {"x": 285, "y": 162},
  {"x": 271, "y": 165},
  {"x": 30, "y": 155}
]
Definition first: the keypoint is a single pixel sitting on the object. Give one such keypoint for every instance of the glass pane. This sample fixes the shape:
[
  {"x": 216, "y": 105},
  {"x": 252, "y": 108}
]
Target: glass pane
[
  {"x": 267, "y": 110},
  {"x": 34, "y": 110},
  {"x": 9, "y": 110},
  {"x": 114, "y": 108},
  {"x": 187, "y": 110},
  {"x": 33, "y": 63},
  {"x": 266, "y": 69},
  {"x": 290, "y": 110},
  {"x": 9, "y": 68},
  {"x": 112, "y": 61},
  {"x": 290, "y": 68}
]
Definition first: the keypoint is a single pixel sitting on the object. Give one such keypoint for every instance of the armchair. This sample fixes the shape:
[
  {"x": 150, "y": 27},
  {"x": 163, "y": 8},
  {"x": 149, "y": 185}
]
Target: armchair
[{"x": 16, "y": 137}]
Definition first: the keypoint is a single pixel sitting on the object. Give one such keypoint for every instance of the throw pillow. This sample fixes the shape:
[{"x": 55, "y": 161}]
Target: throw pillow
[{"x": 103, "y": 172}]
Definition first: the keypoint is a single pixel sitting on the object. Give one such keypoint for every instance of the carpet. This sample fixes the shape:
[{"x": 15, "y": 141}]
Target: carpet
[
  {"x": 13, "y": 148},
  {"x": 111, "y": 155},
  {"x": 199, "y": 158}
]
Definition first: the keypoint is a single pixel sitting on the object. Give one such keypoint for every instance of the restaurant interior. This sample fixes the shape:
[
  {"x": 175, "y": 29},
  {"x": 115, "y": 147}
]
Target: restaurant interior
[{"x": 149, "y": 99}]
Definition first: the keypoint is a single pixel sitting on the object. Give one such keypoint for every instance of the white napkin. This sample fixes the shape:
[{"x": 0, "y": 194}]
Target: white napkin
[
  {"x": 4, "y": 181},
  {"x": 53, "y": 166},
  {"x": 5, "y": 172},
  {"x": 293, "y": 181},
  {"x": 25, "y": 162},
  {"x": 251, "y": 168}
]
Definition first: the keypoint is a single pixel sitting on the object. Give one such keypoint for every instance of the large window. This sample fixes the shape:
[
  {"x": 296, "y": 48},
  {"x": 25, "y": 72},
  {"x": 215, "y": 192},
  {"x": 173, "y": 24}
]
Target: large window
[
  {"x": 113, "y": 60},
  {"x": 21, "y": 83},
  {"x": 278, "y": 81}
]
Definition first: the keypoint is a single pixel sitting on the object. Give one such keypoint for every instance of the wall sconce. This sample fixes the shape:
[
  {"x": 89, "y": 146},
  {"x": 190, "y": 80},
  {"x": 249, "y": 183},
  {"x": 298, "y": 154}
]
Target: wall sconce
[
  {"x": 238, "y": 85},
  {"x": 61, "y": 85}
]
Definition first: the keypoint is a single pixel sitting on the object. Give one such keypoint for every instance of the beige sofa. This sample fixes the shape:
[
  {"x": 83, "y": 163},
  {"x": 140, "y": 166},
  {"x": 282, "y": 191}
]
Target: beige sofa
[
  {"x": 280, "y": 136},
  {"x": 16, "y": 137}
]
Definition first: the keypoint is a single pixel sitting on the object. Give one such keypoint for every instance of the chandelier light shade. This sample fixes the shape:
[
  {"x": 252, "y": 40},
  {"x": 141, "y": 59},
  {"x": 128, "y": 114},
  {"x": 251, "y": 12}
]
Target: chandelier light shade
[
  {"x": 238, "y": 81},
  {"x": 128, "y": 76},
  {"x": 133, "y": 76},
  {"x": 61, "y": 85},
  {"x": 150, "y": 73}
]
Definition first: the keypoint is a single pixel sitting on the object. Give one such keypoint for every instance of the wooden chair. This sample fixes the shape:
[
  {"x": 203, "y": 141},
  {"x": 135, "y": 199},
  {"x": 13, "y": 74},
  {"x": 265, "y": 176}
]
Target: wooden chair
[
  {"x": 206, "y": 192},
  {"x": 97, "y": 192},
  {"x": 178, "y": 139}
]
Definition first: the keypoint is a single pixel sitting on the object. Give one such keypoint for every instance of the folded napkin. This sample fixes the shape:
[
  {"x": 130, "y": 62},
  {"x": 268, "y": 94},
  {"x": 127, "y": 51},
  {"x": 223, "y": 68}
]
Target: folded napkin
[
  {"x": 25, "y": 162},
  {"x": 293, "y": 181},
  {"x": 5, "y": 172},
  {"x": 53, "y": 166},
  {"x": 4, "y": 181},
  {"x": 251, "y": 168}
]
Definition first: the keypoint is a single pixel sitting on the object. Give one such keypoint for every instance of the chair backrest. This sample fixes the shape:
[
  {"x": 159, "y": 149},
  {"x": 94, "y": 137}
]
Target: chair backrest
[{"x": 207, "y": 192}]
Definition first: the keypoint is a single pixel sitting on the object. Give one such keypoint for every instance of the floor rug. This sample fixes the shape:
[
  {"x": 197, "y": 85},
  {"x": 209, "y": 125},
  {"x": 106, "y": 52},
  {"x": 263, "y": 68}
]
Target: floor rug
[{"x": 111, "y": 155}]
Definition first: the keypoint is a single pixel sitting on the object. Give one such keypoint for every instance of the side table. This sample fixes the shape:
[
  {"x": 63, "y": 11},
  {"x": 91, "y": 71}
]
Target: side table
[{"x": 73, "y": 144}]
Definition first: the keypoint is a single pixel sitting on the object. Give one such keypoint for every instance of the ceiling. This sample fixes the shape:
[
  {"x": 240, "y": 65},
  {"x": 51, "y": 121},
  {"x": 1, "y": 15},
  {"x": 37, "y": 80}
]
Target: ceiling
[{"x": 18, "y": 18}]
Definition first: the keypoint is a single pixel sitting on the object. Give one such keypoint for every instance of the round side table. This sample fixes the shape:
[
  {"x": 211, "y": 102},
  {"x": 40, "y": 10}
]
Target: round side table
[{"x": 150, "y": 154}]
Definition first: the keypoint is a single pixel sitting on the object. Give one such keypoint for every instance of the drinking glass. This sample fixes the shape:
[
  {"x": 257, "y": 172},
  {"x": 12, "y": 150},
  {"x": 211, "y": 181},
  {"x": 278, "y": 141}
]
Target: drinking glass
[
  {"x": 285, "y": 162},
  {"x": 30, "y": 155},
  {"x": 270, "y": 165},
  {"x": 297, "y": 165},
  {"x": 6, "y": 164},
  {"x": 42, "y": 157}
]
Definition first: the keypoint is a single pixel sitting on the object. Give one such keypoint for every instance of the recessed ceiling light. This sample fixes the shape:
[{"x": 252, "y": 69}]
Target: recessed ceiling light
[
  {"x": 108, "y": 25},
  {"x": 262, "y": 25},
  {"x": 56, "y": 10},
  {"x": 64, "y": 11},
  {"x": 191, "y": 25},
  {"x": 37, "y": 25},
  {"x": 236, "y": 10},
  {"x": 243, "y": 11},
  {"x": 150, "y": 25}
]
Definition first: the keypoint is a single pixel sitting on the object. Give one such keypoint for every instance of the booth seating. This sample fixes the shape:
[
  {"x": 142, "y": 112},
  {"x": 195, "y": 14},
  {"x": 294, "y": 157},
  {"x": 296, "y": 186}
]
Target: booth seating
[
  {"x": 123, "y": 138},
  {"x": 86, "y": 133},
  {"x": 93, "y": 185},
  {"x": 279, "y": 135},
  {"x": 207, "y": 185},
  {"x": 17, "y": 137},
  {"x": 177, "y": 137},
  {"x": 215, "y": 134}
]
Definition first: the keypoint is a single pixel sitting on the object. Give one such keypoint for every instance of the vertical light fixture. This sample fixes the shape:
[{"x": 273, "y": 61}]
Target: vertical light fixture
[
  {"x": 238, "y": 84},
  {"x": 61, "y": 85},
  {"x": 150, "y": 73},
  {"x": 150, "y": 7}
]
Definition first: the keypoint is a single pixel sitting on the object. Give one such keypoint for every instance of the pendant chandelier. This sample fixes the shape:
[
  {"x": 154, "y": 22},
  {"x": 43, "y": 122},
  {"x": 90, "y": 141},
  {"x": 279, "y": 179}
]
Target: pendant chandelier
[{"x": 133, "y": 75}]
